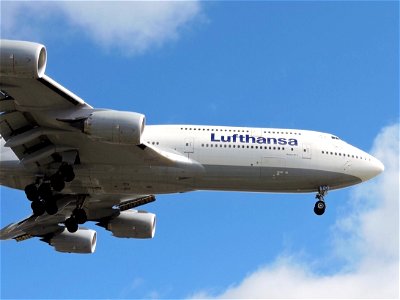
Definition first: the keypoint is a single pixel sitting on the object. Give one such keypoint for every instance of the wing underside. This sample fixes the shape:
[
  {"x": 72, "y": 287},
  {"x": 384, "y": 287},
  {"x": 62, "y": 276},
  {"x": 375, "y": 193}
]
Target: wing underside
[{"x": 99, "y": 209}]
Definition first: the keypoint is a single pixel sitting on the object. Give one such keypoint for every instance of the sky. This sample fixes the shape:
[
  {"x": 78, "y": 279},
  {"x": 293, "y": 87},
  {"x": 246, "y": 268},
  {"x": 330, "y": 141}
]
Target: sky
[{"x": 324, "y": 66}]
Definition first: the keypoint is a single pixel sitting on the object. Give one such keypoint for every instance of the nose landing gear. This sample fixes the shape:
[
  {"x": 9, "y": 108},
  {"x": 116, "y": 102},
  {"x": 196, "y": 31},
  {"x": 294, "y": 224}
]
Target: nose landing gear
[{"x": 320, "y": 206}]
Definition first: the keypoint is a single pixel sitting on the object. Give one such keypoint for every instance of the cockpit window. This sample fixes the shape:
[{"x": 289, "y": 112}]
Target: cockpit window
[{"x": 334, "y": 137}]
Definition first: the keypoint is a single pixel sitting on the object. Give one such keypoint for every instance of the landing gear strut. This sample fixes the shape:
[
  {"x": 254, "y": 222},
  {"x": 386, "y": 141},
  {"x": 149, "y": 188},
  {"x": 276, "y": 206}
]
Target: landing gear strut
[{"x": 320, "y": 206}]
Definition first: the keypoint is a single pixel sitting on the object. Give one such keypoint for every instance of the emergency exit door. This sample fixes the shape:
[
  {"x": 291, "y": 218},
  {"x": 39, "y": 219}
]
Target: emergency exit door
[{"x": 189, "y": 145}]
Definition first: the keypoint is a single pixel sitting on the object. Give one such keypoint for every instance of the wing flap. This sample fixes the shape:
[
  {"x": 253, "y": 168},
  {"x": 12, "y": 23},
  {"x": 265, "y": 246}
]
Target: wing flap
[
  {"x": 12, "y": 123},
  {"x": 7, "y": 105},
  {"x": 31, "y": 226},
  {"x": 125, "y": 205},
  {"x": 27, "y": 105}
]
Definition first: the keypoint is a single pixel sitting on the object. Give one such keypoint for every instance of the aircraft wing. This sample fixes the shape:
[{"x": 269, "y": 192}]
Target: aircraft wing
[
  {"x": 48, "y": 127},
  {"x": 31, "y": 102},
  {"x": 102, "y": 208},
  {"x": 42, "y": 122}
]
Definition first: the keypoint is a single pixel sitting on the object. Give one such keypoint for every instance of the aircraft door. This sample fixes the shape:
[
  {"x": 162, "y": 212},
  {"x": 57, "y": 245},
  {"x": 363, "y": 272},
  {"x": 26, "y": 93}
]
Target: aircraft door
[{"x": 189, "y": 145}]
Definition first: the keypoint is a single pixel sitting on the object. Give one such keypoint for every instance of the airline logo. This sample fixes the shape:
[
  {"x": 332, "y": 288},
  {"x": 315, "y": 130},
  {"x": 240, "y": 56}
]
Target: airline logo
[{"x": 248, "y": 139}]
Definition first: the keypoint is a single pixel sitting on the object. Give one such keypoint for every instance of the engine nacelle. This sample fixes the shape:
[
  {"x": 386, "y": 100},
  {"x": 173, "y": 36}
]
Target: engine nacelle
[
  {"x": 133, "y": 224},
  {"x": 22, "y": 59},
  {"x": 82, "y": 241},
  {"x": 116, "y": 127}
]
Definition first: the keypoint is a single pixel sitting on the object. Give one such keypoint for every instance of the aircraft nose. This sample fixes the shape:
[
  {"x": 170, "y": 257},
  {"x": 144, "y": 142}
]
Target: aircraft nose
[
  {"x": 375, "y": 167},
  {"x": 378, "y": 166}
]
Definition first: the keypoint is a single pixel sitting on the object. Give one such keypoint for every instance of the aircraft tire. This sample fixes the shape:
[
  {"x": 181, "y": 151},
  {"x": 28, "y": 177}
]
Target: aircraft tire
[
  {"x": 44, "y": 191},
  {"x": 67, "y": 172},
  {"x": 80, "y": 215},
  {"x": 319, "y": 208},
  {"x": 38, "y": 207},
  {"x": 57, "y": 182},
  {"x": 31, "y": 192},
  {"x": 51, "y": 207},
  {"x": 71, "y": 224}
]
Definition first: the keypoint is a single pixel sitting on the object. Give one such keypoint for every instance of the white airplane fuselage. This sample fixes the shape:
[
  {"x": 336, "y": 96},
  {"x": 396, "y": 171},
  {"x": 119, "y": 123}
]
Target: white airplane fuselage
[{"x": 224, "y": 158}]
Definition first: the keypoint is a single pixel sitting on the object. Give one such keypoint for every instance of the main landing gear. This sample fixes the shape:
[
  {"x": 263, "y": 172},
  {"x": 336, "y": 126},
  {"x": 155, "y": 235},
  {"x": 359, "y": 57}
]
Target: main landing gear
[
  {"x": 78, "y": 217},
  {"x": 41, "y": 192},
  {"x": 320, "y": 206}
]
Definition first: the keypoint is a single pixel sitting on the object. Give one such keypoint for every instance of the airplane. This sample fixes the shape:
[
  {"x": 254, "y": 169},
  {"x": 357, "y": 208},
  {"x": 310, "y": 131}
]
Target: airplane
[{"x": 77, "y": 163}]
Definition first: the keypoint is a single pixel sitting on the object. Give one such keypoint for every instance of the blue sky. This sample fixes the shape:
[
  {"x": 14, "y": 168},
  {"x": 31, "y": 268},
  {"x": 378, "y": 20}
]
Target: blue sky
[{"x": 325, "y": 66}]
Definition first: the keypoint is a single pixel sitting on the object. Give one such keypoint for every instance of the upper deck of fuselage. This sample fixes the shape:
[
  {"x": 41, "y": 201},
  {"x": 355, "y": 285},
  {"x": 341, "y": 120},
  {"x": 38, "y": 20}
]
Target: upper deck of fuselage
[{"x": 178, "y": 131}]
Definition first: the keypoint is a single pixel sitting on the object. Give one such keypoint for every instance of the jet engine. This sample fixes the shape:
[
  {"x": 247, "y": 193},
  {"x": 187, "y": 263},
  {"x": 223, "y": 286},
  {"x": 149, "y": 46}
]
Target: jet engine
[
  {"x": 116, "y": 127},
  {"x": 22, "y": 59},
  {"x": 133, "y": 224},
  {"x": 82, "y": 241}
]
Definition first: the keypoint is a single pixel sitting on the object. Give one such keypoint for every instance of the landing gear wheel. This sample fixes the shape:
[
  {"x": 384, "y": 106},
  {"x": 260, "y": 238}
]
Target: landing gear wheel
[
  {"x": 51, "y": 208},
  {"x": 319, "y": 208},
  {"x": 67, "y": 172},
  {"x": 80, "y": 215},
  {"x": 44, "y": 191},
  {"x": 57, "y": 182},
  {"x": 38, "y": 207},
  {"x": 31, "y": 192},
  {"x": 71, "y": 224}
]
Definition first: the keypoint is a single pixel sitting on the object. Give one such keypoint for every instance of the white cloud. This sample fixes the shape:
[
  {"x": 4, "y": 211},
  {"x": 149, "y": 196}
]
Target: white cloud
[
  {"x": 131, "y": 27},
  {"x": 367, "y": 239}
]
